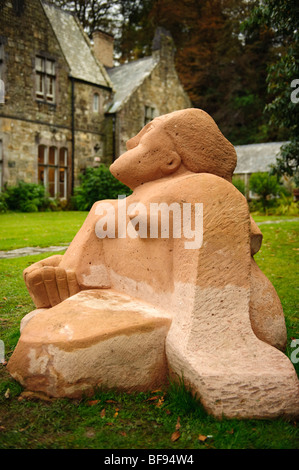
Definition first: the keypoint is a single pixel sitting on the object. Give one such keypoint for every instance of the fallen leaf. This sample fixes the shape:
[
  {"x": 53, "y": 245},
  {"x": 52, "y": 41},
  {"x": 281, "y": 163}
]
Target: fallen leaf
[
  {"x": 115, "y": 414},
  {"x": 4, "y": 298},
  {"x": 24, "y": 429},
  {"x": 168, "y": 412},
  {"x": 93, "y": 402},
  {"x": 153, "y": 398},
  {"x": 109, "y": 424},
  {"x": 156, "y": 391},
  {"x": 2, "y": 428},
  {"x": 178, "y": 424},
  {"x": 202, "y": 438},
  {"x": 160, "y": 402},
  {"x": 111, "y": 401},
  {"x": 103, "y": 413},
  {"x": 7, "y": 393},
  {"x": 230, "y": 432},
  {"x": 175, "y": 436},
  {"x": 123, "y": 433}
]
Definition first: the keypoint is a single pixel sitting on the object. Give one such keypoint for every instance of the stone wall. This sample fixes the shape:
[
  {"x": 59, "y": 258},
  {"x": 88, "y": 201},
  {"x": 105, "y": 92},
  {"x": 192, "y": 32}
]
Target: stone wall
[
  {"x": 24, "y": 36},
  {"x": 20, "y": 148},
  {"x": 90, "y": 135},
  {"x": 25, "y": 121}
]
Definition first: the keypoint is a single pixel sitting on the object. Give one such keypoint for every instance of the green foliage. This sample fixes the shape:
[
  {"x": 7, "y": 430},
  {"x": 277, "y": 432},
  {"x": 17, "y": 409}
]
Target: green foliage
[
  {"x": 282, "y": 17},
  {"x": 266, "y": 186},
  {"x": 26, "y": 197},
  {"x": 3, "y": 202},
  {"x": 282, "y": 206},
  {"x": 288, "y": 161},
  {"x": 97, "y": 184},
  {"x": 239, "y": 184}
]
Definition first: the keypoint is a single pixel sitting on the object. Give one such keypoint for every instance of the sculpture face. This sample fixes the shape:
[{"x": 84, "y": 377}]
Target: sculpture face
[{"x": 150, "y": 155}]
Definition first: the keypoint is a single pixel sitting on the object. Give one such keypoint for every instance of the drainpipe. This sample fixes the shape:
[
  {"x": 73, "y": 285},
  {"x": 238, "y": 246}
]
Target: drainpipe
[
  {"x": 73, "y": 133},
  {"x": 113, "y": 136}
]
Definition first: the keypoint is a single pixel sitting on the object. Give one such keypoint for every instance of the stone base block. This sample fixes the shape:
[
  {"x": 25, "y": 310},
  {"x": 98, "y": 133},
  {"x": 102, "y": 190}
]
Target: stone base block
[{"x": 95, "y": 338}]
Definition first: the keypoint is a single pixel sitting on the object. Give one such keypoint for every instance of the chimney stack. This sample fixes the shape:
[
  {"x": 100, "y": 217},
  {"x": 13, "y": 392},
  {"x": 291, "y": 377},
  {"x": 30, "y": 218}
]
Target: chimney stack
[{"x": 103, "y": 47}]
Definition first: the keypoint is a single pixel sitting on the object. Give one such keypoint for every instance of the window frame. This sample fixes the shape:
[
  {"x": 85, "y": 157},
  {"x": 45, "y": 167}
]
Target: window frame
[
  {"x": 45, "y": 79},
  {"x": 46, "y": 167},
  {"x": 96, "y": 98},
  {"x": 149, "y": 114}
]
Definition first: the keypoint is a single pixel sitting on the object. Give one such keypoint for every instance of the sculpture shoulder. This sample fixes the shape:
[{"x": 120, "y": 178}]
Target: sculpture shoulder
[{"x": 204, "y": 187}]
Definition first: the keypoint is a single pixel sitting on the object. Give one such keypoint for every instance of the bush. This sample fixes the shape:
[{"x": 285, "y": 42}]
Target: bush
[
  {"x": 287, "y": 206},
  {"x": 97, "y": 184},
  {"x": 26, "y": 197},
  {"x": 267, "y": 187},
  {"x": 239, "y": 184},
  {"x": 3, "y": 202}
]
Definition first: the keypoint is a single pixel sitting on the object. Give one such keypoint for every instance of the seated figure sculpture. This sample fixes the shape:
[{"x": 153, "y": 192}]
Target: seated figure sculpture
[{"x": 127, "y": 311}]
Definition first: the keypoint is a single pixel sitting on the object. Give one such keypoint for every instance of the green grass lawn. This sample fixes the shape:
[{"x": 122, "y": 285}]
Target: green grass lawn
[
  {"x": 112, "y": 420},
  {"x": 43, "y": 229}
]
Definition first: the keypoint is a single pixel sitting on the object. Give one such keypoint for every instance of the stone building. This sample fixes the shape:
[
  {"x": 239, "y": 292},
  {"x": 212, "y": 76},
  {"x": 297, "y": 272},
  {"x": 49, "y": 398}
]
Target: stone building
[
  {"x": 65, "y": 105},
  {"x": 255, "y": 158},
  {"x": 145, "y": 89}
]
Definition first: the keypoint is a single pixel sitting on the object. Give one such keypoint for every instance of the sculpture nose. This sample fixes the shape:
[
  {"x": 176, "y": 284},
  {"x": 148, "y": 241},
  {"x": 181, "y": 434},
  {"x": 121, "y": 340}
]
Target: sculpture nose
[{"x": 132, "y": 143}]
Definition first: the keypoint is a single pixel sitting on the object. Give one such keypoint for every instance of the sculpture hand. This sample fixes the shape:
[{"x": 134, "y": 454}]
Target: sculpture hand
[{"x": 48, "y": 284}]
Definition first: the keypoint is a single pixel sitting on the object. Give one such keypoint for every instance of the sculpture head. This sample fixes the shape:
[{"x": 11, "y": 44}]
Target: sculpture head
[{"x": 187, "y": 140}]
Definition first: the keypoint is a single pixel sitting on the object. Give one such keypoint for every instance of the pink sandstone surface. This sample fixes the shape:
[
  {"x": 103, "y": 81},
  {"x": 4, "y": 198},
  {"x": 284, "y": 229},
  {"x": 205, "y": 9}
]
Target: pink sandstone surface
[{"x": 127, "y": 312}]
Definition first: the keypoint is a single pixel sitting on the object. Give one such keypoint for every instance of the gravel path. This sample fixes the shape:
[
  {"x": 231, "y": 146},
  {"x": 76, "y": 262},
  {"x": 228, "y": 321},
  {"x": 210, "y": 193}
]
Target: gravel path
[{"x": 30, "y": 250}]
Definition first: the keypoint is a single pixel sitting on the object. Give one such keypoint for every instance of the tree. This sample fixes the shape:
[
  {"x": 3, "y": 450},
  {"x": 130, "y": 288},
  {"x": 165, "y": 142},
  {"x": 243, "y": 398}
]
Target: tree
[
  {"x": 93, "y": 14},
  {"x": 223, "y": 72},
  {"x": 282, "y": 17}
]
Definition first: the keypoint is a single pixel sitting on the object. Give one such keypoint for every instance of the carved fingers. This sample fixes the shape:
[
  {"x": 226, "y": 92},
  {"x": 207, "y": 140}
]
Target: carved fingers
[{"x": 49, "y": 285}]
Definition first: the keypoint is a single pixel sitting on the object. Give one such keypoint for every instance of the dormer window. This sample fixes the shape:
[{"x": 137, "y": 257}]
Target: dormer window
[{"x": 45, "y": 79}]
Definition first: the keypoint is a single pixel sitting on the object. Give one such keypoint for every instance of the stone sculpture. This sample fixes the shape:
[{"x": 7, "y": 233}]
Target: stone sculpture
[{"x": 125, "y": 311}]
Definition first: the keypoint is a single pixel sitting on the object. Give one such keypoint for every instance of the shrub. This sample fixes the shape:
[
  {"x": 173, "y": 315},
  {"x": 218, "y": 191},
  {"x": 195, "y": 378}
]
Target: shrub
[
  {"x": 267, "y": 187},
  {"x": 97, "y": 184},
  {"x": 26, "y": 197},
  {"x": 3, "y": 202},
  {"x": 239, "y": 184},
  {"x": 286, "y": 206}
]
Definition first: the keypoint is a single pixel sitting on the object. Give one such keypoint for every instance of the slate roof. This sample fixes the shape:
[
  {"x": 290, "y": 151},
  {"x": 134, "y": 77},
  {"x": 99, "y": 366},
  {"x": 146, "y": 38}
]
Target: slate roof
[
  {"x": 127, "y": 78},
  {"x": 256, "y": 157},
  {"x": 76, "y": 47}
]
